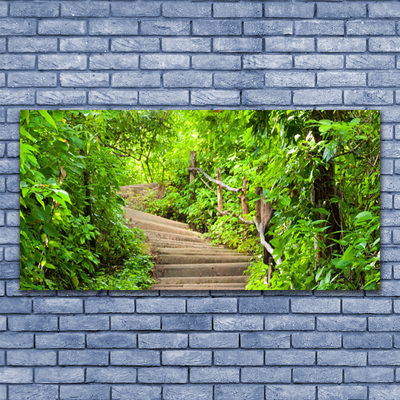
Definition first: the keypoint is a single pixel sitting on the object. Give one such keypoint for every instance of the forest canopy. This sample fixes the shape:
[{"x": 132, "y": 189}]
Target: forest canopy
[{"x": 319, "y": 173}]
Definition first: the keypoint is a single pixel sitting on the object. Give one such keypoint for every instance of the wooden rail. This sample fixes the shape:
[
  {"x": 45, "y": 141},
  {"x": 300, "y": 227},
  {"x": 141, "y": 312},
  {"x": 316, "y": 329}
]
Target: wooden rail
[{"x": 264, "y": 211}]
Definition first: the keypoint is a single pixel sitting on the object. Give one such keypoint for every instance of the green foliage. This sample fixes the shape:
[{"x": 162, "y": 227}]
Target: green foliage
[{"x": 72, "y": 226}]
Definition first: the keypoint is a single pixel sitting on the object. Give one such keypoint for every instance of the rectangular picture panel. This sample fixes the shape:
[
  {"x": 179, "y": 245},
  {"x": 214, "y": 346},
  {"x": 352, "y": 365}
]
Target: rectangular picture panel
[{"x": 200, "y": 200}]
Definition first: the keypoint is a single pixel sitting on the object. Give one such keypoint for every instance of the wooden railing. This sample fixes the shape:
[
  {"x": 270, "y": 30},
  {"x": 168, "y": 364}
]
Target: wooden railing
[{"x": 264, "y": 210}]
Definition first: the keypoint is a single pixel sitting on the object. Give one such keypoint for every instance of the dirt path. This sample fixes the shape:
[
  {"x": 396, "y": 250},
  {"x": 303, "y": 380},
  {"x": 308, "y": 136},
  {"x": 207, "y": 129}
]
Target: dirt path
[{"x": 184, "y": 259}]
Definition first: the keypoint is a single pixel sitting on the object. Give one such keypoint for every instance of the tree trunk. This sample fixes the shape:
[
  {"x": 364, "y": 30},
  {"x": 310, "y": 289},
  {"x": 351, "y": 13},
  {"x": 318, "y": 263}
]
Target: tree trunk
[
  {"x": 219, "y": 191},
  {"x": 243, "y": 199},
  {"x": 192, "y": 173}
]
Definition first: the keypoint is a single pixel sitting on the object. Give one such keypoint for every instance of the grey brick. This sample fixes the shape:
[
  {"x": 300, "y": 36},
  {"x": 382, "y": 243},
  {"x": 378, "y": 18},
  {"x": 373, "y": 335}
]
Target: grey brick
[
  {"x": 83, "y": 79},
  {"x": 32, "y": 79},
  {"x": 12, "y": 151},
  {"x": 87, "y": 45},
  {"x": 16, "y": 375},
  {"x": 187, "y": 79},
  {"x": 109, "y": 96},
  {"x": 341, "y": 45},
  {"x": 344, "y": 392},
  {"x": 381, "y": 392},
  {"x": 214, "y": 340},
  {"x": 326, "y": 306},
  {"x": 212, "y": 305},
  {"x": 320, "y": 340},
  {"x": 37, "y": 9},
  {"x": 164, "y": 27},
  {"x": 386, "y": 237},
  {"x": 187, "y": 323},
  {"x": 59, "y": 375},
  {"x": 162, "y": 375},
  {"x": 217, "y": 27},
  {"x": 110, "y": 305},
  {"x": 290, "y": 357},
  {"x": 263, "y": 375},
  {"x": 60, "y": 340},
  {"x": 136, "y": 9},
  {"x": 179, "y": 392},
  {"x": 390, "y": 183},
  {"x": 3, "y": 9},
  {"x": 387, "y": 44},
  {"x": 396, "y": 201},
  {"x": 317, "y": 96},
  {"x": 216, "y": 62},
  {"x": 238, "y": 10},
  {"x": 238, "y": 357},
  {"x": 111, "y": 26},
  {"x": 84, "y": 322},
  {"x": 19, "y": 26},
  {"x": 319, "y": 61},
  {"x": 342, "y": 78},
  {"x": 164, "y": 61},
  {"x": 289, "y": 322},
  {"x": 186, "y": 357},
  {"x": 140, "y": 392},
  {"x": 16, "y": 340},
  {"x": 57, "y": 306},
  {"x": 317, "y": 375},
  {"x": 269, "y": 27},
  {"x": 367, "y": 306},
  {"x": 384, "y": 78},
  {"x": 342, "y": 358},
  {"x": 2, "y": 83},
  {"x": 370, "y": 61},
  {"x": 288, "y": 10},
  {"x": 61, "y": 27},
  {"x": 267, "y": 61},
  {"x": 194, "y": 45},
  {"x": 3, "y": 322},
  {"x": 135, "y": 357},
  {"x": 111, "y": 340},
  {"x": 61, "y": 61},
  {"x": 367, "y": 341},
  {"x": 85, "y": 9},
  {"x": 139, "y": 44},
  {"x": 290, "y": 392},
  {"x": 365, "y": 28},
  {"x": 12, "y": 181},
  {"x": 234, "y": 392},
  {"x": 31, "y": 357},
  {"x": 384, "y": 10},
  {"x": 369, "y": 375},
  {"x": 387, "y": 323},
  {"x": 18, "y": 306},
  {"x": 17, "y": 61},
  {"x": 10, "y": 132},
  {"x": 61, "y": 97},
  {"x": 264, "y": 305},
  {"x": 318, "y": 27},
  {"x": 10, "y": 270},
  {"x": 30, "y": 392},
  {"x": 265, "y": 340},
  {"x": 241, "y": 323},
  {"x": 172, "y": 98},
  {"x": 83, "y": 357},
  {"x": 237, "y": 45},
  {"x": 262, "y": 96},
  {"x": 384, "y": 357},
  {"x": 32, "y": 45},
  {"x": 135, "y": 322},
  {"x": 163, "y": 340},
  {"x": 220, "y": 97},
  {"x": 32, "y": 323},
  {"x": 341, "y": 323},
  {"x": 346, "y": 10},
  {"x": 289, "y": 79},
  {"x": 214, "y": 375},
  {"x": 239, "y": 80},
  {"x": 98, "y": 392},
  {"x": 111, "y": 375},
  {"x": 113, "y": 61},
  {"x": 368, "y": 97},
  {"x": 180, "y": 9}
]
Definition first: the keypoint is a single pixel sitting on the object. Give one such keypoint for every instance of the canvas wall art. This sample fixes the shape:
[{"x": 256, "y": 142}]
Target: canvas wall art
[{"x": 200, "y": 200}]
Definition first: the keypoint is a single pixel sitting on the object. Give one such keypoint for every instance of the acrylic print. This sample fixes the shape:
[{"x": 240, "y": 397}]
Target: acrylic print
[{"x": 200, "y": 200}]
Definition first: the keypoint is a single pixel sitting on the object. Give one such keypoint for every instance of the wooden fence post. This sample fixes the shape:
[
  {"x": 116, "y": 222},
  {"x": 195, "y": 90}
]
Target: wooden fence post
[
  {"x": 219, "y": 190},
  {"x": 192, "y": 165},
  {"x": 243, "y": 200},
  {"x": 258, "y": 204}
]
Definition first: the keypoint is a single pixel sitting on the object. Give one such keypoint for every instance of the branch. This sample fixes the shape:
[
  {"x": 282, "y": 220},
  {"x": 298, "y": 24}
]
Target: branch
[
  {"x": 269, "y": 248},
  {"x": 224, "y": 212},
  {"x": 215, "y": 181},
  {"x": 246, "y": 221},
  {"x": 205, "y": 183}
]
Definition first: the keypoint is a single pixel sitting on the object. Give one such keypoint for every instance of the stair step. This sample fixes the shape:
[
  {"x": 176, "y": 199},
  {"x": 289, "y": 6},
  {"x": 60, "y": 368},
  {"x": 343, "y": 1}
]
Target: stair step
[
  {"x": 153, "y": 236},
  {"x": 153, "y": 226},
  {"x": 130, "y": 213},
  {"x": 201, "y": 259},
  {"x": 194, "y": 250},
  {"x": 208, "y": 286},
  {"x": 177, "y": 244},
  {"x": 171, "y": 270},
  {"x": 185, "y": 280}
]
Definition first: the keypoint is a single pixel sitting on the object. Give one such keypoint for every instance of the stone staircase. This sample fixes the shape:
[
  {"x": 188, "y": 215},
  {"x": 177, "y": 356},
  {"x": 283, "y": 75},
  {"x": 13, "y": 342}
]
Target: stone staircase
[{"x": 185, "y": 260}]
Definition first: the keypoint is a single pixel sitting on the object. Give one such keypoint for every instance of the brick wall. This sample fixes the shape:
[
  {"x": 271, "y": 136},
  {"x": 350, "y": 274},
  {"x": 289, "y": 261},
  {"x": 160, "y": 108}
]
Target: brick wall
[{"x": 202, "y": 345}]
